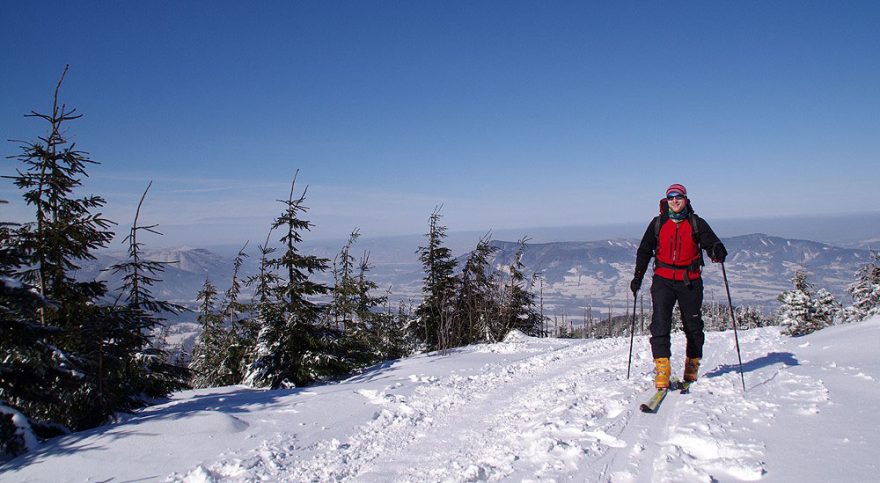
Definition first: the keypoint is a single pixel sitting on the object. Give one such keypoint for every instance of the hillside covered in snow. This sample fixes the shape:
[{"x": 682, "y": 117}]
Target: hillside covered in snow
[{"x": 522, "y": 409}]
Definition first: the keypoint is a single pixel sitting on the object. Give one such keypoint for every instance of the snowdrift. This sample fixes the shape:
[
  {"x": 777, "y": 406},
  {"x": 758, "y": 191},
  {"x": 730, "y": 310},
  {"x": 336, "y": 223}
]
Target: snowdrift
[{"x": 521, "y": 409}]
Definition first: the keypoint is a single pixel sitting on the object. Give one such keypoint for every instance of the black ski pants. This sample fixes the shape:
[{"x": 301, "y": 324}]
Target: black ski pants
[{"x": 664, "y": 294}]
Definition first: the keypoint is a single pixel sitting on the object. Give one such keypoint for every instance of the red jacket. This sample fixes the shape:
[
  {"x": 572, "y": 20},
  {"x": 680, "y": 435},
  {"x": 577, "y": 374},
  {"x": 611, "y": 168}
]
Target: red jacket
[
  {"x": 674, "y": 248},
  {"x": 677, "y": 251}
]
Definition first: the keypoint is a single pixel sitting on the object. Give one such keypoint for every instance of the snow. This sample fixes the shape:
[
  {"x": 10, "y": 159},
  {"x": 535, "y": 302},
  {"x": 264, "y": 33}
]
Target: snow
[
  {"x": 22, "y": 430},
  {"x": 523, "y": 409}
]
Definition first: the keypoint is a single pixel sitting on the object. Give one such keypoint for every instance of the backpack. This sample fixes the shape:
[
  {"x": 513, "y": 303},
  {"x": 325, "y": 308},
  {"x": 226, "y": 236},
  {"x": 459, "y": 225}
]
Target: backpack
[{"x": 693, "y": 219}]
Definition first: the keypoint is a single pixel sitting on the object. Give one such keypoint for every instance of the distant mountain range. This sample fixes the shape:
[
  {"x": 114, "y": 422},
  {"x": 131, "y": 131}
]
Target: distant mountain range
[
  {"x": 573, "y": 275},
  {"x": 759, "y": 268}
]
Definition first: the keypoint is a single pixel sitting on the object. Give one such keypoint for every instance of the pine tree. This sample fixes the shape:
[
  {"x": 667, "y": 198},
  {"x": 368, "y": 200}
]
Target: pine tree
[
  {"x": 802, "y": 311},
  {"x": 352, "y": 310},
  {"x": 292, "y": 349},
  {"x": 825, "y": 308},
  {"x": 865, "y": 291},
  {"x": 477, "y": 304},
  {"x": 518, "y": 311},
  {"x": 264, "y": 306},
  {"x": 345, "y": 288},
  {"x": 99, "y": 340},
  {"x": 208, "y": 350},
  {"x": 240, "y": 336},
  {"x": 438, "y": 289},
  {"x": 151, "y": 369},
  {"x": 391, "y": 329},
  {"x": 34, "y": 372}
]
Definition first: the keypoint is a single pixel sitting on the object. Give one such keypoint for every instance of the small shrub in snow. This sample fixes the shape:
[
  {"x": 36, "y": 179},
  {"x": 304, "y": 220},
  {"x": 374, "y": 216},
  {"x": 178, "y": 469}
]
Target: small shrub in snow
[
  {"x": 804, "y": 311},
  {"x": 865, "y": 291}
]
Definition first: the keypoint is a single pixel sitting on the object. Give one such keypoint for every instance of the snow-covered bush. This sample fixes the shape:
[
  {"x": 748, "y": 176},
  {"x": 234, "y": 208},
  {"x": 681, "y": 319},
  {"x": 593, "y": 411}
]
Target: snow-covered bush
[
  {"x": 16, "y": 435},
  {"x": 865, "y": 291},
  {"x": 804, "y": 311}
]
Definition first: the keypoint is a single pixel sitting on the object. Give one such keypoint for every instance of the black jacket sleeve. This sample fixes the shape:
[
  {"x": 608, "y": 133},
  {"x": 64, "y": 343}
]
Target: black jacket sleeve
[
  {"x": 708, "y": 238},
  {"x": 645, "y": 251}
]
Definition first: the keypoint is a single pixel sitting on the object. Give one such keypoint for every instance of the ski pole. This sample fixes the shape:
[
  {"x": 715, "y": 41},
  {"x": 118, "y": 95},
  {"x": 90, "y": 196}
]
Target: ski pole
[
  {"x": 733, "y": 318},
  {"x": 632, "y": 333}
]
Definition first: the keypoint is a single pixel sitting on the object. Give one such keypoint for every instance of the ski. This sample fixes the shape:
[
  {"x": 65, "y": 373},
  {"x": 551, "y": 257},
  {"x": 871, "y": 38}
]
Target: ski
[
  {"x": 684, "y": 387},
  {"x": 653, "y": 404}
]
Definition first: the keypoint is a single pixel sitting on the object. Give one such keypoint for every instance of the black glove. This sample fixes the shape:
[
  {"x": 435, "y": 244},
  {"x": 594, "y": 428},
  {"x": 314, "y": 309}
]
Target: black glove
[
  {"x": 636, "y": 284},
  {"x": 718, "y": 253}
]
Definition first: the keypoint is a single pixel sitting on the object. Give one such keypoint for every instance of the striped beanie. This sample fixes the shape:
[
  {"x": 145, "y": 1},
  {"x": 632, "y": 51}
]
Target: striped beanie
[{"x": 677, "y": 188}]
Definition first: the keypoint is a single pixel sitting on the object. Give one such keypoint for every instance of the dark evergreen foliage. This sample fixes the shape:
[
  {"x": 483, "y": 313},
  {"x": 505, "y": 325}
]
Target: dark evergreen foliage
[
  {"x": 865, "y": 291},
  {"x": 103, "y": 348},
  {"x": 477, "y": 301},
  {"x": 153, "y": 373},
  {"x": 292, "y": 348},
  {"x": 434, "y": 314},
  {"x": 208, "y": 350},
  {"x": 34, "y": 372},
  {"x": 518, "y": 310},
  {"x": 241, "y": 336}
]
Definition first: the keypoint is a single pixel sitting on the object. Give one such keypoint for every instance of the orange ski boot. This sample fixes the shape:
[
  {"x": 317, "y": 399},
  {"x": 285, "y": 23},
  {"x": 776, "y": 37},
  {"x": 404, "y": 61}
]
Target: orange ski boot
[
  {"x": 691, "y": 368},
  {"x": 661, "y": 373}
]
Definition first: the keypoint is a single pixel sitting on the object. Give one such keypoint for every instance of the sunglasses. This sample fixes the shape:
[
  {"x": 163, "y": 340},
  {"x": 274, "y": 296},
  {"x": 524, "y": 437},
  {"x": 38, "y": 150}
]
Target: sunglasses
[{"x": 675, "y": 197}]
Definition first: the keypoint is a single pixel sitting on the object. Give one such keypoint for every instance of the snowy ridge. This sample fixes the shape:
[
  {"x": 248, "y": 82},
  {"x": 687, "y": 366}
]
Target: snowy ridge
[{"x": 523, "y": 409}]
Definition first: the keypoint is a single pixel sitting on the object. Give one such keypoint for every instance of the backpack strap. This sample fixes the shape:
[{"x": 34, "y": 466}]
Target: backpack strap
[{"x": 693, "y": 219}]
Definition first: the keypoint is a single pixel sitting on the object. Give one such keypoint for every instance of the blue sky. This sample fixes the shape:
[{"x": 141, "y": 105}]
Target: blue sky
[{"x": 510, "y": 114}]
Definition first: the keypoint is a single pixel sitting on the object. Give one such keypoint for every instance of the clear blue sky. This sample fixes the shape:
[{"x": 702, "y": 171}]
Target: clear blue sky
[{"x": 511, "y": 114}]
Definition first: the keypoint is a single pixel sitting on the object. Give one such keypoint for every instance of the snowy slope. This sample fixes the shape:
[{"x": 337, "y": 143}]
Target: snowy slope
[{"x": 523, "y": 409}]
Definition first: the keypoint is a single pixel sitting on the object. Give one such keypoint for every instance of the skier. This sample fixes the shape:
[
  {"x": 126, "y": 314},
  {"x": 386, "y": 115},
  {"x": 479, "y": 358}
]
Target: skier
[{"x": 675, "y": 239}]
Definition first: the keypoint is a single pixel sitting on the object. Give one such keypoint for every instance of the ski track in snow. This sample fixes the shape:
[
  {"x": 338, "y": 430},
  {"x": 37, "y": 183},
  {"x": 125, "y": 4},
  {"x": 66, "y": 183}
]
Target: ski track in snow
[
  {"x": 401, "y": 421},
  {"x": 565, "y": 412},
  {"x": 550, "y": 426}
]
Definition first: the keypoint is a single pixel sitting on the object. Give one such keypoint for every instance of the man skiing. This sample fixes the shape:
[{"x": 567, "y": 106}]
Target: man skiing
[{"x": 675, "y": 238}]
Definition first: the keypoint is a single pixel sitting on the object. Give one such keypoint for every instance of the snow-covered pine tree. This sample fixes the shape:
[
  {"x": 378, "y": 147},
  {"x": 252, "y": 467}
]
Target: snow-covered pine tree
[
  {"x": 352, "y": 311},
  {"x": 345, "y": 290},
  {"x": 292, "y": 349},
  {"x": 370, "y": 321},
  {"x": 865, "y": 291},
  {"x": 208, "y": 350},
  {"x": 34, "y": 372},
  {"x": 802, "y": 311},
  {"x": 825, "y": 307},
  {"x": 151, "y": 368},
  {"x": 438, "y": 289},
  {"x": 518, "y": 310},
  {"x": 392, "y": 330},
  {"x": 477, "y": 298},
  {"x": 99, "y": 340},
  {"x": 240, "y": 334}
]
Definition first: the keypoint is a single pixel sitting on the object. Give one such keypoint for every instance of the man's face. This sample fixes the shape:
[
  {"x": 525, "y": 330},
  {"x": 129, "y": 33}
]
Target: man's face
[{"x": 677, "y": 202}]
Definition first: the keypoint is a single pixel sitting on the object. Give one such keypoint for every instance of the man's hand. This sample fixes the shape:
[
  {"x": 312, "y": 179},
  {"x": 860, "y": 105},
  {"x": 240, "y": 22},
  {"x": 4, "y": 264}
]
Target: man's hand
[
  {"x": 718, "y": 253},
  {"x": 636, "y": 284}
]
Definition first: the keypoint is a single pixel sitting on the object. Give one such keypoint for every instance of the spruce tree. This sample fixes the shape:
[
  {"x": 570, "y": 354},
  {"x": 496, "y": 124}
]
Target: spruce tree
[
  {"x": 370, "y": 322},
  {"x": 34, "y": 373},
  {"x": 865, "y": 291},
  {"x": 438, "y": 289},
  {"x": 98, "y": 340},
  {"x": 240, "y": 334},
  {"x": 151, "y": 369},
  {"x": 208, "y": 350},
  {"x": 804, "y": 311},
  {"x": 353, "y": 310},
  {"x": 518, "y": 311},
  {"x": 477, "y": 304},
  {"x": 345, "y": 287},
  {"x": 291, "y": 347}
]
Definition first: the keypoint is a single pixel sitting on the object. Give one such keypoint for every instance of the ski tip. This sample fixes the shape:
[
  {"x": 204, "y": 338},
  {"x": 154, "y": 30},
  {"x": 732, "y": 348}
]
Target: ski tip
[{"x": 646, "y": 409}]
